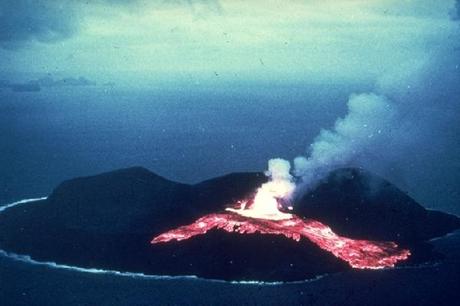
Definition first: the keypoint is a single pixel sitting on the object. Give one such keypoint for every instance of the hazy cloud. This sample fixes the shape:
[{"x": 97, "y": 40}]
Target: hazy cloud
[
  {"x": 45, "y": 21},
  {"x": 50, "y": 21},
  {"x": 456, "y": 11}
]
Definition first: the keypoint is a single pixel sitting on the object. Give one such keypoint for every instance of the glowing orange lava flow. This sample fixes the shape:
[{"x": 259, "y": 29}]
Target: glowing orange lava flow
[{"x": 362, "y": 254}]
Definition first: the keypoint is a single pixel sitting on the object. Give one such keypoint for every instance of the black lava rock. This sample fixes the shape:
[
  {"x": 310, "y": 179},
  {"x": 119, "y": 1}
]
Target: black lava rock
[
  {"x": 107, "y": 221},
  {"x": 358, "y": 204}
]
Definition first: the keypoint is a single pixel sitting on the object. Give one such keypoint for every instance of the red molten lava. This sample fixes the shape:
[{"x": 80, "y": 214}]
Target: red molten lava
[{"x": 361, "y": 254}]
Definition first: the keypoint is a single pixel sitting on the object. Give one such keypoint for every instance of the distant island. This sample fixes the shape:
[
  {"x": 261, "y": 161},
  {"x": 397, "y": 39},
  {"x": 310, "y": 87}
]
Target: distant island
[
  {"x": 71, "y": 81},
  {"x": 37, "y": 84}
]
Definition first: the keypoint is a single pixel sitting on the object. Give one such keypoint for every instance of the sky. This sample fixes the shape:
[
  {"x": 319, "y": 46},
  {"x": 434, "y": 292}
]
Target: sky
[{"x": 151, "y": 41}]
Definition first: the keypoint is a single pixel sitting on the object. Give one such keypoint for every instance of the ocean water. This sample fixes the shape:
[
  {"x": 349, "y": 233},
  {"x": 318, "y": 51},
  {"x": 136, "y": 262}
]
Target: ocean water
[
  {"x": 189, "y": 134},
  {"x": 25, "y": 281},
  {"x": 186, "y": 135}
]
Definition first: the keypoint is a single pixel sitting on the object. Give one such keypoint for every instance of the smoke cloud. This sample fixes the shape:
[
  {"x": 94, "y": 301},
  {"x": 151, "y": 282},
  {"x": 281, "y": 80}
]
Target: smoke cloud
[
  {"x": 281, "y": 183},
  {"x": 279, "y": 169},
  {"x": 409, "y": 117},
  {"x": 369, "y": 119}
]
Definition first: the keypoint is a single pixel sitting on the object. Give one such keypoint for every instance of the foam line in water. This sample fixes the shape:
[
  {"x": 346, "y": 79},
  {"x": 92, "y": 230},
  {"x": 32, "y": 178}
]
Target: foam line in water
[
  {"x": 4, "y": 207},
  {"x": 29, "y": 260}
]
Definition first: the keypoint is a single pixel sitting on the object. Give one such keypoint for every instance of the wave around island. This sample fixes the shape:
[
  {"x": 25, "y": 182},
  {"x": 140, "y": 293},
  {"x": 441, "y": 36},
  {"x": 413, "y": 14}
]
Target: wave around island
[
  {"x": 29, "y": 260},
  {"x": 53, "y": 265}
]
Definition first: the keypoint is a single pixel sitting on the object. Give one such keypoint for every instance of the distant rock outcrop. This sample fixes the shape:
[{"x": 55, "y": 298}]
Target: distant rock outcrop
[
  {"x": 70, "y": 81},
  {"x": 38, "y": 84}
]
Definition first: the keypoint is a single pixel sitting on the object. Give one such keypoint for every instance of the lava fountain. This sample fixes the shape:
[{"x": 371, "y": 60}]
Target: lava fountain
[{"x": 263, "y": 215}]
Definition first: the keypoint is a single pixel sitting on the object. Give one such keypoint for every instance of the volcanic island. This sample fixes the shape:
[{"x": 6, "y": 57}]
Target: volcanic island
[{"x": 225, "y": 228}]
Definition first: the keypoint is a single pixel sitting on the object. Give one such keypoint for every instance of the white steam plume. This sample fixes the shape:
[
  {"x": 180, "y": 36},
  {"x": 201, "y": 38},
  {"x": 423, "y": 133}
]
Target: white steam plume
[
  {"x": 280, "y": 186},
  {"x": 410, "y": 118},
  {"x": 369, "y": 120}
]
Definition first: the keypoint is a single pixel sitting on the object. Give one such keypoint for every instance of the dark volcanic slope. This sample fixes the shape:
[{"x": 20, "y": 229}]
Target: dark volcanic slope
[
  {"x": 135, "y": 200},
  {"x": 132, "y": 200},
  {"x": 107, "y": 221},
  {"x": 356, "y": 203}
]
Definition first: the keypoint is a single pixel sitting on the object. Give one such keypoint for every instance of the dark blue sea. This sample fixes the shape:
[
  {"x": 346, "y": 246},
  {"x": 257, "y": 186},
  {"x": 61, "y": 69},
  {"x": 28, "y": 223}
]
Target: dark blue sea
[{"x": 188, "y": 135}]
